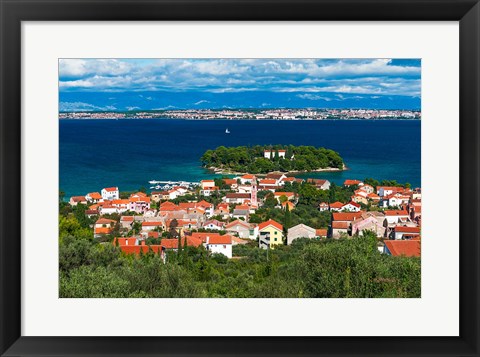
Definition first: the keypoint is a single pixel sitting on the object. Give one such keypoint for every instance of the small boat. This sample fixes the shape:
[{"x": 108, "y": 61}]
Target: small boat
[{"x": 227, "y": 131}]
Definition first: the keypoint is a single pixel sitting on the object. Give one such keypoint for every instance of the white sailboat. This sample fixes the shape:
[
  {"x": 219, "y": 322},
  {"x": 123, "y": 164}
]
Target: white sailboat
[{"x": 227, "y": 131}]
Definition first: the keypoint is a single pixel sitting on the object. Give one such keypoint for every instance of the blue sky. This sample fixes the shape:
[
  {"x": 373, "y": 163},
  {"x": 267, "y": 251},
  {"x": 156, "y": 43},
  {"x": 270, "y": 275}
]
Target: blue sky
[{"x": 130, "y": 84}]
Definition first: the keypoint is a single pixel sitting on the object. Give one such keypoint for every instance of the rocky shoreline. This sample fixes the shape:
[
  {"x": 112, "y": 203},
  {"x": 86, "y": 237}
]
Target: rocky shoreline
[{"x": 219, "y": 171}]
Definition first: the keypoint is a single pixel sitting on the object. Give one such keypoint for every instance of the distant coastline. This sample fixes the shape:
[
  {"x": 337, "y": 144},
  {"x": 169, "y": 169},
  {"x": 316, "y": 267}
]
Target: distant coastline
[{"x": 250, "y": 114}]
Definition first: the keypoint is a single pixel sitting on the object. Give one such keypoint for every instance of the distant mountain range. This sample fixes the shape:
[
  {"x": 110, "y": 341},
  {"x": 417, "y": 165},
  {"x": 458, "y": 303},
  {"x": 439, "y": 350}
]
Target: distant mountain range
[{"x": 156, "y": 100}]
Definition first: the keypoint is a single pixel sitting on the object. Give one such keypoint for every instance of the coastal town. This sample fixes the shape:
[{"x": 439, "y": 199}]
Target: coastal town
[
  {"x": 257, "y": 210},
  {"x": 251, "y": 114}
]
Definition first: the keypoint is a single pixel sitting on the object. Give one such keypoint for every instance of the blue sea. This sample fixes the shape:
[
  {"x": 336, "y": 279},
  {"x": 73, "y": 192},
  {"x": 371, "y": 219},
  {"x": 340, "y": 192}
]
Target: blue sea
[{"x": 129, "y": 153}]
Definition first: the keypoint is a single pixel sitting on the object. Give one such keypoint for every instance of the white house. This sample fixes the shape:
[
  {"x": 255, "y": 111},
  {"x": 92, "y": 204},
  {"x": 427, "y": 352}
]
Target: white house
[
  {"x": 221, "y": 245},
  {"x": 207, "y": 184},
  {"x": 241, "y": 228},
  {"x": 207, "y": 191},
  {"x": 214, "y": 225},
  {"x": 300, "y": 231},
  {"x": 270, "y": 154},
  {"x": 323, "y": 206},
  {"x": 388, "y": 190},
  {"x": 110, "y": 209},
  {"x": 367, "y": 188},
  {"x": 246, "y": 179},
  {"x": 110, "y": 193},
  {"x": 394, "y": 200},
  {"x": 351, "y": 207},
  {"x": 396, "y": 216},
  {"x": 404, "y": 232},
  {"x": 237, "y": 197}
]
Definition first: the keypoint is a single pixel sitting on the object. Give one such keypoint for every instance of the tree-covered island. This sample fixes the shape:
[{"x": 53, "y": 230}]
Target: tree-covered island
[{"x": 267, "y": 158}]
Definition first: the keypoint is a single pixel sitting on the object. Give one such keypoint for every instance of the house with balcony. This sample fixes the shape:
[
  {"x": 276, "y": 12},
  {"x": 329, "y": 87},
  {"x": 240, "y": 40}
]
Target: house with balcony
[
  {"x": 270, "y": 234},
  {"x": 110, "y": 193}
]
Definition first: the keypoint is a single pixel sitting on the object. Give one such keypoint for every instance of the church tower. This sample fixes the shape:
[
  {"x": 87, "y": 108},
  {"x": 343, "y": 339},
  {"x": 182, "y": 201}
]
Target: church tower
[{"x": 253, "y": 197}]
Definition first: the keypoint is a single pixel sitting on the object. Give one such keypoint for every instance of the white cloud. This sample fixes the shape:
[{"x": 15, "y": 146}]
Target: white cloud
[
  {"x": 81, "y": 106},
  {"x": 313, "y": 97},
  {"x": 82, "y": 67},
  {"x": 201, "y": 102},
  {"x": 374, "y": 76}
]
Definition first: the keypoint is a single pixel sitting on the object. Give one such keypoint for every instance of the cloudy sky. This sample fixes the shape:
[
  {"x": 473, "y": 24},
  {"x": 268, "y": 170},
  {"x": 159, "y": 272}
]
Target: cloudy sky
[{"x": 130, "y": 84}]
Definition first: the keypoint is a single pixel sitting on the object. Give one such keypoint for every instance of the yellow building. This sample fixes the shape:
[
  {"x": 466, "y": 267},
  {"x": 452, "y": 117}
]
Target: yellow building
[{"x": 270, "y": 234}]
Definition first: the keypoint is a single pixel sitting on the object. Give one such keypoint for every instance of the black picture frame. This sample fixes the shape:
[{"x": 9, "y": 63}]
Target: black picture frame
[{"x": 467, "y": 12}]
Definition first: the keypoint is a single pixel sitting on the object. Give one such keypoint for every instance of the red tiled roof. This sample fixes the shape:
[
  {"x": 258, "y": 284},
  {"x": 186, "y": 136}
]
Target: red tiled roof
[
  {"x": 237, "y": 195},
  {"x": 353, "y": 204},
  {"x": 336, "y": 205},
  {"x": 408, "y": 248},
  {"x": 135, "y": 249},
  {"x": 270, "y": 222},
  {"x": 127, "y": 218},
  {"x": 248, "y": 177},
  {"x": 267, "y": 182},
  {"x": 140, "y": 199},
  {"x": 242, "y": 207},
  {"x": 407, "y": 229},
  {"x": 105, "y": 221},
  {"x": 346, "y": 216},
  {"x": 214, "y": 222},
  {"x": 153, "y": 234},
  {"x": 396, "y": 213},
  {"x": 152, "y": 224},
  {"x": 78, "y": 199},
  {"x": 234, "y": 223},
  {"x": 126, "y": 241},
  {"x": 211, "y": 188},
  {"x": 172, "y": 243},
  {"x": 225, "y": 239},
  {"x": 316, "y": 181},
  {"x": 205, "y": 204},
  {"x": 203, "y": 235},
  {"x": 168, "y": 206},
  {"x": 111, "y": 189},
  {"x": 274, "y": 176},
  {"x": 287, "y": 194},
  {"x": 321, "y": 232},
  {"x": 340, "y": 225},
  {"x": 187, "y": 204},
  {"x": 103, "y": 230},
  {"x": 351, "y": 182},
  {"x": 95, "y": 195},
  {"x": 230, "y": 181}
]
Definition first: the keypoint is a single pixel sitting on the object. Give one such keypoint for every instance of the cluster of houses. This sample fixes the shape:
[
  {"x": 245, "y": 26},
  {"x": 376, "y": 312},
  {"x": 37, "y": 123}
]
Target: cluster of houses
[
  {"x": 395, "y": 221},
  {"x": 398, "y": 223}
]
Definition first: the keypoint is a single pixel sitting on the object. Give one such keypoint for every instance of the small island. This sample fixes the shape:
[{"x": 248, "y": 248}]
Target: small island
[{"x": 267, "y": 158}]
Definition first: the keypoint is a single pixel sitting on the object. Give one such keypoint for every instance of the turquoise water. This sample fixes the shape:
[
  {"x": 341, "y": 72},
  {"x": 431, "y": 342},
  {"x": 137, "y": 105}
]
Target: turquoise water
[{"x": 129, "y": 153}]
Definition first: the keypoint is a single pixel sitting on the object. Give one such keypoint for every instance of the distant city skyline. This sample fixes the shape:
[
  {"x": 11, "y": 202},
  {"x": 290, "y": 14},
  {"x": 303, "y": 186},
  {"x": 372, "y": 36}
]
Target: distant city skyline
[{"x": 159, "y": 84}]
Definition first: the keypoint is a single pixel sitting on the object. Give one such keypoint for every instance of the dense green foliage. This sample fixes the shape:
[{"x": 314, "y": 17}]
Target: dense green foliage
[
  {"x": 307, "y": 268},
  {"x": 251, "y": 159}
]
